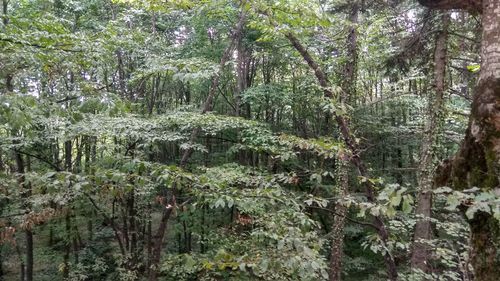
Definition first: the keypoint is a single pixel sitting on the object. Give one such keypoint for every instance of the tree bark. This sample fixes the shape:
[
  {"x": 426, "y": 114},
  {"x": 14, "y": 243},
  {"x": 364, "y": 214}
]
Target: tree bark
[
  {"x": 421, "y": 250},
  {"x": 67, "y": 220},
  {"x": 477, "y": 163},
  {"x": 349, "y": 93},
  {"x": 470, "y": 5},
  {"x": 337, "y": 249},
  {"x": 5, "y": 7},
  {"x": 351, "y": 66}
]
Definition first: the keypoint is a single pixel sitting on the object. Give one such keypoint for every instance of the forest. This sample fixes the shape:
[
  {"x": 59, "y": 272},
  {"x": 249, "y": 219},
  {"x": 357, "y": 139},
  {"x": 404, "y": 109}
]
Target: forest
[{"x": 273, "y": 140}]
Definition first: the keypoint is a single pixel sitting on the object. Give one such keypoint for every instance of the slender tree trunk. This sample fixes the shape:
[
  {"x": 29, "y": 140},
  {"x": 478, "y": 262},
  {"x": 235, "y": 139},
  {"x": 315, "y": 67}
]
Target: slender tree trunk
[
  {"x": 22, "y": 266},
  {"x": 349, "y": 93},
  {"x": 26, "y": 193},
  {"x": 5, "y": 8},
  {"x": 336, "y": 252},
  {"x": 352, "y": 145},
  {"x": 67, "y": 220},
  {"x": 158, "y": 243},
  {"x": 240, "y": 75},
  {"x": 132, "y": 214},
  {"x": 351, "y": 66},
  {"x": 423, "y": 230},
  {"x": 5, "y": 21},
  {"x": 121, "y": 74},
  {"x": 207, "y": 106}
]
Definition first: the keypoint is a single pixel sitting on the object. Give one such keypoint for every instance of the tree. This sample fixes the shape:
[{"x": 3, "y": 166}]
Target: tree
[
  {"x": 477, "y": 162},
  {"x": 235, "y": 140},
  {"x": 421, "y": 253}
]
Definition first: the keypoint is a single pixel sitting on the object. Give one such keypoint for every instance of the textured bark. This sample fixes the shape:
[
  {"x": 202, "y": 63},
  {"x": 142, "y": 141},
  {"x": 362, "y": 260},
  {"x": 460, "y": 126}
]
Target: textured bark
[
  {"x": 352, "y": 145},
  {"x": 351, "y": 66},
  {"x": 477, "y": 162},
  {"x": 423, "y": 230},
  {"x": 482, "y": 143},
  {"x": 337, "y": 249},
  {"x": 349, "y": 87}
]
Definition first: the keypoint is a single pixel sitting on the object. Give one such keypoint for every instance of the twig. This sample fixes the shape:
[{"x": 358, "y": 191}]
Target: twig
[
  {"x": 346, "y": 217},
  {"x": 55, "y": 166}
]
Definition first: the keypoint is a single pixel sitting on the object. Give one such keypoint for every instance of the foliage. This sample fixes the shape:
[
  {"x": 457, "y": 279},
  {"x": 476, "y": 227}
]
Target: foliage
[{"x": 100, "y": 104}]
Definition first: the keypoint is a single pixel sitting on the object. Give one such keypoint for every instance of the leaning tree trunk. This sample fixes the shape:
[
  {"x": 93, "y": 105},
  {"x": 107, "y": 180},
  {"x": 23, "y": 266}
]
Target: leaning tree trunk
[
  {"x": 207, "y": 106},
  {"x": 477, "y": 164},
  {"x": 353, "y": 146},
  {"x": 421, "y": 249}
]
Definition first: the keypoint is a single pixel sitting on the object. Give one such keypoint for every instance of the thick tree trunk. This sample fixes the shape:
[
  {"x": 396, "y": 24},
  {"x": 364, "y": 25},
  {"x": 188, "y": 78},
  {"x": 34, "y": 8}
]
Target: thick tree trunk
[
  {"x": 471, "y": 5},
  {"x": 421, "y": 250},
  {"x": 478, "y": 161},
  {"x": 477, "y": 164}
]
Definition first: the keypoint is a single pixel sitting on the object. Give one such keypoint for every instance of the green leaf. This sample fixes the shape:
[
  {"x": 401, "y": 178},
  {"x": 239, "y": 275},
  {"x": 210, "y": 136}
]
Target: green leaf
[
  {"x": 407, "y": 204},
  {"x": 396, "y": 199},
  {"x": 474, "y": 67}
]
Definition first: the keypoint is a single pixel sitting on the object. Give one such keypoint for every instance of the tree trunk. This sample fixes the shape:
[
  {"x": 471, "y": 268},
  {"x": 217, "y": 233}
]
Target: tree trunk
[
  {"x": 349, "y": 87},
  {"x": 477, "y": 163},
  {"x": 353, "y": 147},
  {"x": 241, "y": 74},
  {"x": 337, "y": 250},
  {"x": 351, "y": 66},
  {"x": 26, "y": 193},
  {"x": 5, "y": 7},
  {"x": 67, "y": 166},
  {"x": 207, "y": 106},
  {"x": 421, "y": 250}
]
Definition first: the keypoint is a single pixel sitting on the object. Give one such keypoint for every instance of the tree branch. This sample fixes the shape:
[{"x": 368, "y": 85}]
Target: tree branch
[
  {"x": 469, "y": 5},
  {"x": 55, "y": 166},
  {"x": 346, "y": 217}
]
